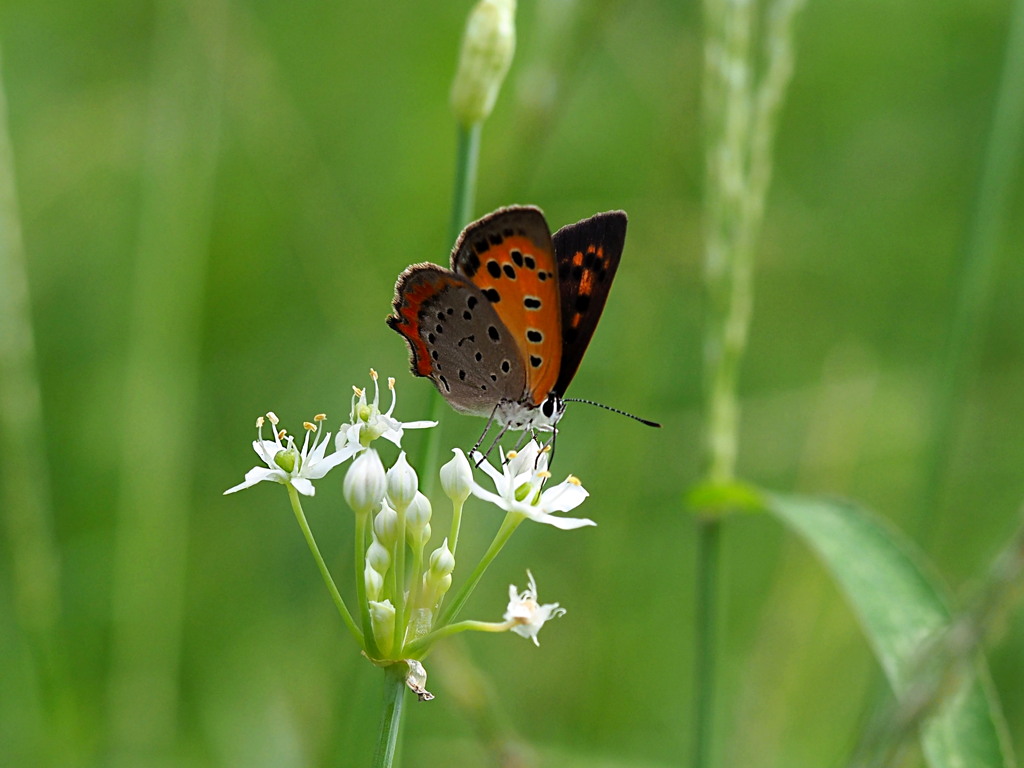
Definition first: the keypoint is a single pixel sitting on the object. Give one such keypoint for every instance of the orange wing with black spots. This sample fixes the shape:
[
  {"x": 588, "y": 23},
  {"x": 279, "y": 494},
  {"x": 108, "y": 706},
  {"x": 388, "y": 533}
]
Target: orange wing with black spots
[
  {"x": 588, "y": 254},
  {"x": 510, "y": 257}
]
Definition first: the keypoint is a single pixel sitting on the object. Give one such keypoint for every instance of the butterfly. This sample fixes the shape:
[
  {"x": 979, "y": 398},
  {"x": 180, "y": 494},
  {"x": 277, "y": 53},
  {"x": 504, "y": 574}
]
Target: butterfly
[{"x": 502, "y": 333}]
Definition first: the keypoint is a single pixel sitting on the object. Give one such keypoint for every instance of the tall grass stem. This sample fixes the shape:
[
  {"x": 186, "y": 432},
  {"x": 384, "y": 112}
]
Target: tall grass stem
[
  {"x": 161, "y": 383},
  {"x": 26, "y": 497},
  {"x": 976, "y": 282},
  {"x": 741, "y": 112}
]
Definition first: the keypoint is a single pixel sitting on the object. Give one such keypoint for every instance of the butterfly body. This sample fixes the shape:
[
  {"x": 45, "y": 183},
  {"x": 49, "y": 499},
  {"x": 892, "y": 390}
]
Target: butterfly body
[{"x": 501, "y": 334}]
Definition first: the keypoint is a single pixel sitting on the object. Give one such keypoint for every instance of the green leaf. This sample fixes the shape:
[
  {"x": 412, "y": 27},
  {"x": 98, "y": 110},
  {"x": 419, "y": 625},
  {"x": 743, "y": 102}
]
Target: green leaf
[{"x": 901, "y": 605}]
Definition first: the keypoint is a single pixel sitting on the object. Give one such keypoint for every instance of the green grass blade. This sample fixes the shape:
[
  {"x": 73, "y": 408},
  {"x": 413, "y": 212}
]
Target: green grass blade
[{"x": 902, "y": 610}]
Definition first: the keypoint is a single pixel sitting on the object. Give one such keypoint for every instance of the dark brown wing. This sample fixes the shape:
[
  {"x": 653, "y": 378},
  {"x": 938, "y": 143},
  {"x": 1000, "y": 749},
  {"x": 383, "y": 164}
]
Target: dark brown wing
[{"x": 587, "y": 254}]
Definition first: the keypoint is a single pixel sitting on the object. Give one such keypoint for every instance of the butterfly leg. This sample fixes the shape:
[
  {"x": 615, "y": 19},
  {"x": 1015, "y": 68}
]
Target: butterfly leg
[
  {"x": 546, "y": 447},
  {"x": 483, "y": 435},
  {"x": 490, "y": 448}
]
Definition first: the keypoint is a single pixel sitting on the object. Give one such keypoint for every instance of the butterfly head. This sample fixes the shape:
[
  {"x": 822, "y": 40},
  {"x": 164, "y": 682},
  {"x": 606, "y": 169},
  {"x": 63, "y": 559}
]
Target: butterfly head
[{"x": 541, "y": 418}]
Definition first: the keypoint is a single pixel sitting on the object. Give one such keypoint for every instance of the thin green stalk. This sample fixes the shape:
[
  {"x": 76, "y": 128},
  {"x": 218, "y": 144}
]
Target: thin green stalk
[
  {"x": 467, "y": 155},
  {"x": 508, "y": 527},
  {"x": 362, "y": 525},
  {"x": 339, "y": 601},
  {"x": 399, "y": 568},
  {"x": 391, "y": 716},
  {"x": 980, "y": 265},
  {"x": 25, "y": 495},
  {"x": 706, "y": 618},
  {"x": 453, "y": 538},
  {"x": 741, "y": 114},
  {"x": 161, "y": 378},
  {"x": 452, "y": 629}
]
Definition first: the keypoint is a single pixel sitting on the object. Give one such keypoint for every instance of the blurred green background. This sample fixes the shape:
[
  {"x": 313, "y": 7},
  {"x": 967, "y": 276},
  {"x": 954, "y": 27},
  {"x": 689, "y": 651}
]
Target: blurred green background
[{"x": 215, "y": 199}]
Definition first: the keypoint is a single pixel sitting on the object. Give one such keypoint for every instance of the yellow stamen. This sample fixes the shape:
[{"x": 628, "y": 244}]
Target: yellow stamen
[
  {"x": 544, "y": 474},
  {"x": 511, "y": 455},
  {"x": 282, "y": 434},
  {"x": 358, "y": 391},
  {"x": 320, "y": 417},
  {"x": 310, "y": 427},
  {"x": 373, "y": 374},
  {"x": 573, "y": 480},
  {"x": 273, "y": 418},
  {"x": 259, "y": 422},
  {"x": 391, "y": 382}
]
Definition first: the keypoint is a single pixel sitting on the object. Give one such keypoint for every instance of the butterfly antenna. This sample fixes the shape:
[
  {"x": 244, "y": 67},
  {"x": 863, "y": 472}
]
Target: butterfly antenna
[{"x": 613, "y": 410}]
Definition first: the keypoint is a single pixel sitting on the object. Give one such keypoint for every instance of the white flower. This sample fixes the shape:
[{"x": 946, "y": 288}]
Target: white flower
[
  {"x": 368, "y": 423},
  {"x": 519, "y": 489},
  {"x": 286, "y": 464},
  {"x": 525, "y": 614}
]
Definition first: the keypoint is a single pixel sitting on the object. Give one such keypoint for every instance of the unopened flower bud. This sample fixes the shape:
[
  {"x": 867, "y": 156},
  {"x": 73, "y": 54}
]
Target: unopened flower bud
[
  {"x": 417, "y": 519},
  {"x": 457, "y": 477},
  {"x": 487, "y": 48},
  {"x": 402, "y": 483},
  {"x": 365, "y": 482},
  {"x": 378, "y": 557},
  {"x": 442, "y": 561},
  {"x": 385, "y": 525},
  {"x": 374, "y": 582},
  {"x": 438, "y": 578},
  {"x": 382, "y": 618}
]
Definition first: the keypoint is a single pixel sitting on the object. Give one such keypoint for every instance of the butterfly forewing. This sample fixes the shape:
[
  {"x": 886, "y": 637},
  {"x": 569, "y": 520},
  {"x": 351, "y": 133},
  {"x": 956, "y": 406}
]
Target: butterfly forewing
[
  {"x": 588, "y": 254},
  {"x": 509, "y": 256},
  {"x": 457, "y": 339}
]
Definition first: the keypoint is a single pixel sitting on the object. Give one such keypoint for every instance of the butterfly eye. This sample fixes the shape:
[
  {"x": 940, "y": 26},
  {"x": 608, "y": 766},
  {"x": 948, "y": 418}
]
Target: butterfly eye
[{"x": 549, "y": 406}]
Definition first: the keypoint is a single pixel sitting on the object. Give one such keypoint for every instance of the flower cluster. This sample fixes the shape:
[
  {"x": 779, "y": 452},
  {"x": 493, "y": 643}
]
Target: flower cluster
[{"x": 401, "y": 596}]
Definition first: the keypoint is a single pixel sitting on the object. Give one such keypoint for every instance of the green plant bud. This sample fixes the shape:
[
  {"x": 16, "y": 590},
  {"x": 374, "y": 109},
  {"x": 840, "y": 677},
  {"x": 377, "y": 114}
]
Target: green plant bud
[
  {"x": 385, "y": 525},
  {"x": 365, "y": 482},
  {"x": 457, "y": 477},
  {"x": 378, "y": 557},
  {"x": 403, "y": 485},
  {"x": 382, "y": 618},
  {"x": 488, "y": 44},
  {"x": 374, "y": 583}
]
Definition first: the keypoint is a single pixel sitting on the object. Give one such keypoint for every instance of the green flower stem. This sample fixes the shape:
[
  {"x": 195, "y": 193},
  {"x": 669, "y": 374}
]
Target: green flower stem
[
  {"x": 399, "y": 568},
  {"x": 453, "y": 538},
  {"x": 339, "y": 602},
  {"x": 467, "y": 155},
  {"x": 391, "y": 716},
  {"x": 421, "y": 644},
  {"x": 508, "y": 527},
  {"x": 416, "y": 587},
  {"x": 466, "y": 159},
  {"x": 362, "y": 523}
]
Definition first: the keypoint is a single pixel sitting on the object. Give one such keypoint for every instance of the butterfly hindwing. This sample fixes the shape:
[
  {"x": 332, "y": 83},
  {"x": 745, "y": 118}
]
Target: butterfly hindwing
[
  {"x": 457, "y": 339},
  {"x": 588, "y": 254},
  {"x": 509, "y": 256}
]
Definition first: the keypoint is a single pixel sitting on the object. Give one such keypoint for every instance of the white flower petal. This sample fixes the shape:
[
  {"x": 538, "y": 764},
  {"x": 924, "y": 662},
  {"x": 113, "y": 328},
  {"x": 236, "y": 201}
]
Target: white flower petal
[
  {"x": 563, "y": 497},
  {"x": 303, "y": 486},
  {"x": 256, "y": 475},
  {"x": 538, "y": 515}
]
